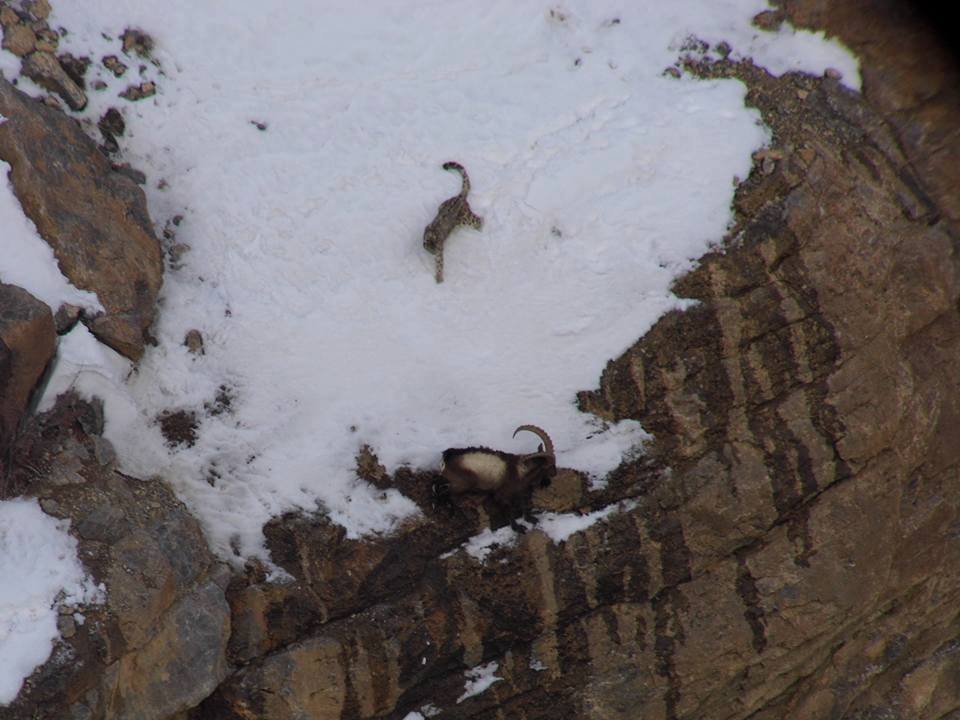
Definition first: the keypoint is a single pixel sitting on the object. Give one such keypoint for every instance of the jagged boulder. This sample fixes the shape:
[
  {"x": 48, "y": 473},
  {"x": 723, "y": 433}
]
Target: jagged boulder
[
  {"x": 157, "y": 646},
  {"x": 94, "y": 218},
  {"x": 26, "y": 345}
]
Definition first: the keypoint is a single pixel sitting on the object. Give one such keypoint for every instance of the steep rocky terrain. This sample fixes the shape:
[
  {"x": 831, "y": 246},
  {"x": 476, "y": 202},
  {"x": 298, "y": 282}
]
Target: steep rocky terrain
[{"x": 791, "y": 543}]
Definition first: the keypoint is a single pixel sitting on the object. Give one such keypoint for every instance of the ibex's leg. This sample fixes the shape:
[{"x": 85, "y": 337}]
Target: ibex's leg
[
  {"x": 441, "y": 494},
  {"x": 438, "y": 272}
]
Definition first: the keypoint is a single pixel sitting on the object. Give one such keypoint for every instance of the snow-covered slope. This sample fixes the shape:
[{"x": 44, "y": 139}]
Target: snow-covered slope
[
  {"x": 599, "y": 177},
  {"x": 39, "y": 567}
]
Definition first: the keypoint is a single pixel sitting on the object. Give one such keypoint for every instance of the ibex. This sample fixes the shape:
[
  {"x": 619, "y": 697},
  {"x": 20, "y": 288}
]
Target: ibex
[{"x": 506, "y": 477}]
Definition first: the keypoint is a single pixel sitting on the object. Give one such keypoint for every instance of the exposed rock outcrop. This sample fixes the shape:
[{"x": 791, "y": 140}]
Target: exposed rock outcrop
[
  {"x": 158, "y": 645},
  {"x": 910, "y": 75},
  {"x": 26, "y": 347},
  {"x": 95, "y": 219},
  {"x": 44, "y": 69}
]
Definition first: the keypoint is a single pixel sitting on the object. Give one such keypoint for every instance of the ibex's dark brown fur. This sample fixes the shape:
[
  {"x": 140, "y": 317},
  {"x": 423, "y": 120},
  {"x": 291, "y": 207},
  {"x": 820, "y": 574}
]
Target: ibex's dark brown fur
[{"x": 508, "y": 478}]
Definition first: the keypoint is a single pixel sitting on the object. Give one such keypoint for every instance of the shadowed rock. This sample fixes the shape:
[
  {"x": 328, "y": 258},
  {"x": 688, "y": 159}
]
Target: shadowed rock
[
  {"x": 157, "y": 646},
  {"x": 44, "y": 69},
  {"x": 26, "y": 345}
]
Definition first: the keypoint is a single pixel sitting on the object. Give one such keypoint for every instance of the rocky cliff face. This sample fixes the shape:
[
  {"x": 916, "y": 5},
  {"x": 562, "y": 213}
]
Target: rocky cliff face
[{"x": 789, "y": 547}]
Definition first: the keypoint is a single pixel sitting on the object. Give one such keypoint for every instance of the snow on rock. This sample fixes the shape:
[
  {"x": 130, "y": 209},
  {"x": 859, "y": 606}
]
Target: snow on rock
[
  {"x": 557, "y": 526},
  {"x": 560, "y": 526},
  {"x": 303, "y": 148},
  {"x": 483, "y": 543},
  {"x": 478, "y": 679},
  {"x": 27, "y": 261},
  {"x": 40, "y": 570}
]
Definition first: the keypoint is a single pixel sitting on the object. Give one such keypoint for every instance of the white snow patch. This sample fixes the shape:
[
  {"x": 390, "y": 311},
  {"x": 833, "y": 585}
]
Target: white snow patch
[
  {"x": 91, "y": 369},
  {"x": 427, "y": 711},
  {"x": 40, "y": 570},
  {"x": 560, "y": 526},
  {"x": 478, "y": 679},
  {"x": 792, "y": 50},
  {"x": 27, "y": 261},
  {"x": 599, "y": 180},
  {"x": 484, "y": 542},
  {"x": 557, "y": 526}
]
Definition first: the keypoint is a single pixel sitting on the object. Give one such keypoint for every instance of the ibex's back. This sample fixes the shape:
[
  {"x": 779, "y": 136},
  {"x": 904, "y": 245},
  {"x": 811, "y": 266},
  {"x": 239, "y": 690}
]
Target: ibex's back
[{"x": 474, "y": 469}]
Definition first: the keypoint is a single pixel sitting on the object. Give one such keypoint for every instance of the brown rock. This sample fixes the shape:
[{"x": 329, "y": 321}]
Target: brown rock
[
  {"x": 75, "y": 67},
  {"x": 40, "y": 9},
  {"x": 313, "y": 678},
  {"x": 67, "y": 626},
  {"x": 139, "y": 92},
  {"x": 8, "y": 16},
  {"x": 113, "y": 64},
  {"x": 66, "y": 317},
  {"x": 95, "y": 219},
  {"x": 138, "y": 176},
  {"x": 48, "y": 41},
  {"x": 194, "y": 342},
  {"x": 182, "y": 661},
  {"x": 267, "y": 616},
  {"x": 769, "y": 20},
  {"x": 778, "y": 402},
  {"x": 176, "y": 253},
  {"x": 45, "y": 70},
  {"x": 157, "y": 646},
  {"x": 179, "y": 427},
  {"x": 909, "y": 75},
  {"x": 136, "y": 41},
  {"x": 19, "y": 39},
  {"x": 26, "y": 347}
]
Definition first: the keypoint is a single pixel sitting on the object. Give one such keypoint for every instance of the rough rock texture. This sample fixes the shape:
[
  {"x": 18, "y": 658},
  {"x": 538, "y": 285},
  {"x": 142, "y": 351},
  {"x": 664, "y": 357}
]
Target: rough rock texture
[
  {"x": 44, "y": 69},
  {"x": 94, "y": 218},
  {"x": 158, "y": 644},
  {"x": 26, "y": 346},
  {"x": 910, "y": 75},
  {"x": 809, "y": 408},
  {"x": 19, "y": 39}
]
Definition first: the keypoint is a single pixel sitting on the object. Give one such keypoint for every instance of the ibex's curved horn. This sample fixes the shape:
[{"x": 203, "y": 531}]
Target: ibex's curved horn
[{"x": 542, "y": 434}]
